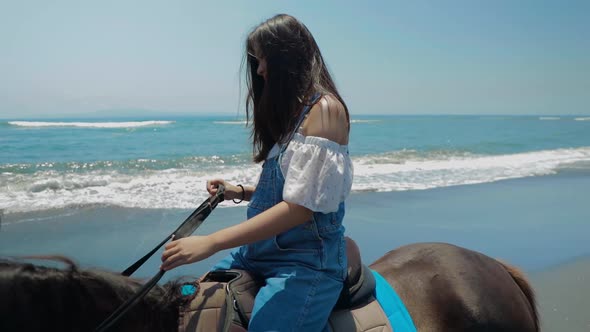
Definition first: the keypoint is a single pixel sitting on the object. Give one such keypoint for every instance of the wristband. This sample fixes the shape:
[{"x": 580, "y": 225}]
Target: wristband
[{"x": 243, "y": 195}]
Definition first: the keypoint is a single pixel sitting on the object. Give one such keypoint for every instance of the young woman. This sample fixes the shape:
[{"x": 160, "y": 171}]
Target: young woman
[{"x": 293, "y": 237}]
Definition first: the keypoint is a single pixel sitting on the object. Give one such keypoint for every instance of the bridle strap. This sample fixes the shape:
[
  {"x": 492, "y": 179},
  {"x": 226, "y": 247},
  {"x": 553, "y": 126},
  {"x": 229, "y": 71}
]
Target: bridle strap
[{"x": 188, "y": 226}]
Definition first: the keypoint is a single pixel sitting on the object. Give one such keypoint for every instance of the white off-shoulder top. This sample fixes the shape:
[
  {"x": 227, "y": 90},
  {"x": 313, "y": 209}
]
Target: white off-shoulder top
[{"x": 318, "y": 172}]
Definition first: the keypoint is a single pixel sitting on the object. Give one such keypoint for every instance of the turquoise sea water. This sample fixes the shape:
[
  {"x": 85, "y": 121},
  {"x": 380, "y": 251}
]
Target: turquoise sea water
[
  {"x": 164, "y": 162},
  {"x": 146, "y": 177}
]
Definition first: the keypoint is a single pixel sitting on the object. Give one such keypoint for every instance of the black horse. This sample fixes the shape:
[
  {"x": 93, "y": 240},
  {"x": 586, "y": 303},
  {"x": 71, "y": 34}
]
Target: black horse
[{"x": 445, "y": 288}]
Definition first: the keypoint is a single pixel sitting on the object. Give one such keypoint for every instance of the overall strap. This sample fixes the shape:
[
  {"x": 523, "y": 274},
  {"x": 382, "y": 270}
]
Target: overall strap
[{"x": 306, "y": 110}]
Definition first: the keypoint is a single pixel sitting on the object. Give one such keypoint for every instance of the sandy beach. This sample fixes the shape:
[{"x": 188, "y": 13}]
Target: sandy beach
[
  {"x": 563, "y": 296},
  {"x": 540, "y": 224}
]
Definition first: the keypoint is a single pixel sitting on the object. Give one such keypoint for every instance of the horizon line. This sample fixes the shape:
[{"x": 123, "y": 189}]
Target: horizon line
[{"x": 150, "y": 116}]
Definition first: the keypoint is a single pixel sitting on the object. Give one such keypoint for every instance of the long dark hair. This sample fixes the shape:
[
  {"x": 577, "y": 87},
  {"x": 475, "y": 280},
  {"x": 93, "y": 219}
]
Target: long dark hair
[
  {"x": 41, "y": 298},
  {"x": 295, "y": 72}
]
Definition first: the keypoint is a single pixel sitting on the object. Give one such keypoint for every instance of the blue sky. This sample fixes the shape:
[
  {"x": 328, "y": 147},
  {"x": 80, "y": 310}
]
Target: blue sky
[{"x": 75, "y": 58}]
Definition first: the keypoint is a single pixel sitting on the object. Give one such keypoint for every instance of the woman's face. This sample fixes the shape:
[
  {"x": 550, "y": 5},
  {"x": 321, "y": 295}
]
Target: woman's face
[{"x": 261, "y": 69}]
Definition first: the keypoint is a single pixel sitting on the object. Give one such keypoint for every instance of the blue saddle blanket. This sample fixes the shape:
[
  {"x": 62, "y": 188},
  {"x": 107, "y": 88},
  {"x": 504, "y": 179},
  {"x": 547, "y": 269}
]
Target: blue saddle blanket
[{"x": 392, "y": 305}]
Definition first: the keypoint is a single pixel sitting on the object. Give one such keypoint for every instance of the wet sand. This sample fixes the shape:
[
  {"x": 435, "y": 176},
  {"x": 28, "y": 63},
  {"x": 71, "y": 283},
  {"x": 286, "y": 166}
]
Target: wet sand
[{"x": 563, "y": 294}]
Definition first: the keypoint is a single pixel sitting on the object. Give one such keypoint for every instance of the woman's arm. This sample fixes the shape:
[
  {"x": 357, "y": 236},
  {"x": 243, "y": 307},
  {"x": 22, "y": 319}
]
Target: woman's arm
[
  {"x": 231, "y": 191},
  {"x": 279, "y": 218},
  {"x": 248, "y": 192}
]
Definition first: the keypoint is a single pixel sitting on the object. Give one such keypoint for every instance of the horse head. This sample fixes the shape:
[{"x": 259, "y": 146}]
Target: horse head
[{"x": 38, "y": 298}]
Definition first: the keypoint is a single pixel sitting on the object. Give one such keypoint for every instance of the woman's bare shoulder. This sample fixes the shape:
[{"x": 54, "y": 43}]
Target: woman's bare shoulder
[{"x": 327, "y": 119}]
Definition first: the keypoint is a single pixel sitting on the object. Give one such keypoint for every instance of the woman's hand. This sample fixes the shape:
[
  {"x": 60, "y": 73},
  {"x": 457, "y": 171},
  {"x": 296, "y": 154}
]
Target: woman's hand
[
  {"x": 187, "y": 250},
  {"x": 231, "y": 191}
]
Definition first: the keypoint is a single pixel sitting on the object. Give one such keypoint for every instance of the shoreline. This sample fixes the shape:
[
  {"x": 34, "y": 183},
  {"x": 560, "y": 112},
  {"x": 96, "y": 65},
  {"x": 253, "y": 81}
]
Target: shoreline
[
  {"x": 517, "y": 220},
  {"x": 576, "y": 170}
]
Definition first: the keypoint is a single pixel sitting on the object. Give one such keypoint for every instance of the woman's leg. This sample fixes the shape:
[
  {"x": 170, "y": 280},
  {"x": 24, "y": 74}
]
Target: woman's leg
[
  {"x": 232, "y": 261},
  {"x": 295, "y": 299}
]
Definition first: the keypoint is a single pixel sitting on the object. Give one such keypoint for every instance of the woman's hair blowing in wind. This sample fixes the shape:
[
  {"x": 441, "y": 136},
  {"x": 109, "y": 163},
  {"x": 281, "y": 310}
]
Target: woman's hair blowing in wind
[{"x": 295, "y": 72}]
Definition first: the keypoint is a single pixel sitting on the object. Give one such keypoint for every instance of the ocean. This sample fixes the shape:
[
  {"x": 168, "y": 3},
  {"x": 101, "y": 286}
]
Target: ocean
[
  {"x": 104, "y": 192},
  {"x": 164, "y": 162}
]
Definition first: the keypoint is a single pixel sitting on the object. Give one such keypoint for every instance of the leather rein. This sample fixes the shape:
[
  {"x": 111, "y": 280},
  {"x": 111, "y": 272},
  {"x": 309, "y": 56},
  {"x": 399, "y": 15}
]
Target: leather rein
[{"x": 188, "y": 226}]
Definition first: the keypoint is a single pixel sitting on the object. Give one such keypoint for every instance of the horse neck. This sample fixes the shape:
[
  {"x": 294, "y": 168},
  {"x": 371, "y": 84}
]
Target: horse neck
[
  {"x": 156, "y": 311},
  {"x": 35, "y": 298}
]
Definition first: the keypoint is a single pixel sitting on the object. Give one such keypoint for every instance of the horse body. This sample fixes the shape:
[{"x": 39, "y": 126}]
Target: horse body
[
  {"x": 445, "y": 288},
  {"x": 448, "y": 288}
]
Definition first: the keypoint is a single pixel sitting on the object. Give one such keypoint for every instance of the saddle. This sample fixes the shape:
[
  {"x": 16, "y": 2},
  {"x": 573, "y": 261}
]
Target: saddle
[{"x": 225, "y": 299}]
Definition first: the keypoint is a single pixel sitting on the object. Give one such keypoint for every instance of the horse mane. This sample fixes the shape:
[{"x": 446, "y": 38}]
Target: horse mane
[
  {"x": 519, "y": 277},
  {"x": 35, "y": 298}
]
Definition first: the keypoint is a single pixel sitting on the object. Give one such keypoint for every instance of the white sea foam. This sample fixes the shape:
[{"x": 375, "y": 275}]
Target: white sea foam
[
  {"x": 549, "y": 118},
  {"x": 583, "y": 119},
  {"x": 425, "y": 174},
  {"x": 185, "y": 188},
  {"x": 231, "y": 122},
  {"x": 129, "y": 124},
  {"x": 364, "y": 121},
  {"x": 244, "y": 122},
  {"x": 171, "y": 188}
]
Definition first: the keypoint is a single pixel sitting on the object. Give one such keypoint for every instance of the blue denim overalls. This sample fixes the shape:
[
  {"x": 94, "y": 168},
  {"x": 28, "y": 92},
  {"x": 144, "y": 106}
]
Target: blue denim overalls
[{"x": 304, "y": 267}]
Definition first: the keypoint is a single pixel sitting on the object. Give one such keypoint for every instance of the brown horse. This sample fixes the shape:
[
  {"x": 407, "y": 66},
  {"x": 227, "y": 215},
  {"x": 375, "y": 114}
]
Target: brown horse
[
  {"x": 449, "y": 288},
  {"x": 445, "y": 288}
]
